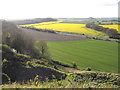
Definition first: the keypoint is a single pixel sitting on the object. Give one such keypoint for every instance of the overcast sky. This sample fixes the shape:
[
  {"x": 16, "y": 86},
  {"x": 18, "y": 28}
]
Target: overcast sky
[{"x": 25, "y": 9}]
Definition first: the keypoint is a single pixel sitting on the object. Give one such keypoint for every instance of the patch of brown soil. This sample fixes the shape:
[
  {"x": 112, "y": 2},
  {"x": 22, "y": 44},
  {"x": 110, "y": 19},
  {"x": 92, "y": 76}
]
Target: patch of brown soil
[
  {"x": 77, "y": 70},
  {"x": 45, "y": 36}
]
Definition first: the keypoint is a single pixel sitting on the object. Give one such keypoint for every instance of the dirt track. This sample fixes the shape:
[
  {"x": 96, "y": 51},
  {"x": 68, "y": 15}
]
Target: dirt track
[{"x": 44, "y": 36}]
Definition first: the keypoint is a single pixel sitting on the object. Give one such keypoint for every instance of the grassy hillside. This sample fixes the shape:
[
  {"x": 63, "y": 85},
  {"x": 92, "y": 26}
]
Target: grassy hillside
[
  {"x": 99, "y": 55},
  {"x": 88, "y": 80}
]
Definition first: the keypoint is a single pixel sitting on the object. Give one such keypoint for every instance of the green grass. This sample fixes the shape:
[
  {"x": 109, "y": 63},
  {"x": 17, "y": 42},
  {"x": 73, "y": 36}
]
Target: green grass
[{"x": 97, "y": 54}]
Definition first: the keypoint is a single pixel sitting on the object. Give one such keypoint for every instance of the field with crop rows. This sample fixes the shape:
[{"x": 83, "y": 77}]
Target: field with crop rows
[
  {"x": 99, "y": 55},
  {"x": 67, "y": 27}
]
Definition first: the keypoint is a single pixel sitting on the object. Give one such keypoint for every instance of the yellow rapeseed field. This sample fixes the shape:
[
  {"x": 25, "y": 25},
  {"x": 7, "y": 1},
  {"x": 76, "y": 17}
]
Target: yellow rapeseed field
[
  {"x": 43, "y": 23},
  {"x": 67, "y": 27},
  {"x": 112, "y": 27}
]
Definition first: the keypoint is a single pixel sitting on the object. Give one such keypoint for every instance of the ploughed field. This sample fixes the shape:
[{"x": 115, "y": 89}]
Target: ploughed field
[
  {"x": 96, "y": 54},
  {"x": 45, "y": 36}
]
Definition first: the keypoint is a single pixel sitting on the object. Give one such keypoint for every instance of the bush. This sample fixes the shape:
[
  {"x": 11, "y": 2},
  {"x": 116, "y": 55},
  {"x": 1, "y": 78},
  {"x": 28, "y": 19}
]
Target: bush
[
  {"x": 42, "y": 50},
  {"x": 88, "y": 69},
  {"x": 74, "y": 65}
]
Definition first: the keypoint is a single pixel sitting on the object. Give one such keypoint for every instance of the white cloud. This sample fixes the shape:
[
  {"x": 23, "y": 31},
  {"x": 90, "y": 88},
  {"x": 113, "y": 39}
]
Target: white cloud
[{"x": 19, "y": 9}]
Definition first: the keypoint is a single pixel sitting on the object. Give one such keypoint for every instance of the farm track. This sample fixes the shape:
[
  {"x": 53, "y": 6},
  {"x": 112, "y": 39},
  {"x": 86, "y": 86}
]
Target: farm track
[
  {"x": 45, "y": 36},
  {"x": 77, "y": 70}
]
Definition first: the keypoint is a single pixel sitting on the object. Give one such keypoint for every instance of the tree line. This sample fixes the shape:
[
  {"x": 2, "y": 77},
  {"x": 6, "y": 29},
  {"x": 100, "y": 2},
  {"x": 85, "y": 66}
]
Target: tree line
[
  {"x": 32, "y": 21},
  {"x": 112, "y": 33}
]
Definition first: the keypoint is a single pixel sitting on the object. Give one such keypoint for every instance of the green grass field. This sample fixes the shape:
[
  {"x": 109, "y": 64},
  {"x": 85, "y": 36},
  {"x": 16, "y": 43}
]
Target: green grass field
[{"x": 97, "y": 54}]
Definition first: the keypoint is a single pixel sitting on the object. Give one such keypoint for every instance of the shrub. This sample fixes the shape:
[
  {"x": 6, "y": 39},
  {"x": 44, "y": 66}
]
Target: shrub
[
  {"x": 42, "y": 50},
  {"x": 88, "y": 69},
  {"x": 74, "y": 65}
]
